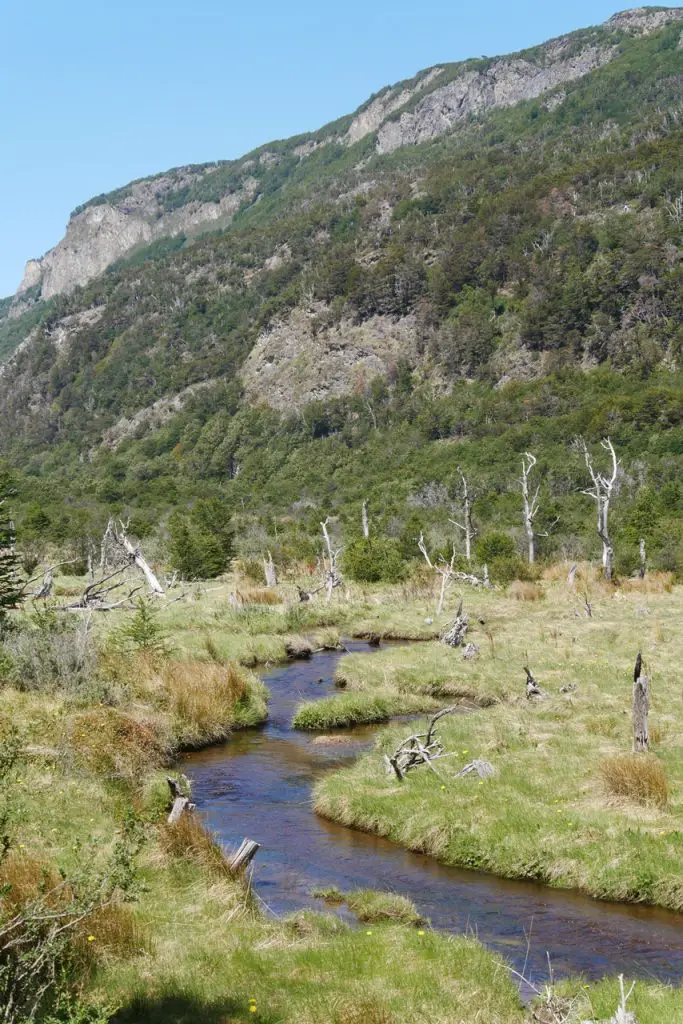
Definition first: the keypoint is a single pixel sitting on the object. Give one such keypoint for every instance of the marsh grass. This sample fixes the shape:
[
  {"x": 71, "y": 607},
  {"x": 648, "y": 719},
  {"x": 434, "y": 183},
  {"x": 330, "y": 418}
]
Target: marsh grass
[
  {"x": 548, "y": 754},
  {"x": 522, "y": 590},
  {"x": 639, "y": 777},
  {"x": 189, "y": 839},
  {"x": 246, "y": 595},
  {"x": 349, "y": 709},
  {"x": 370, "y": 906}
]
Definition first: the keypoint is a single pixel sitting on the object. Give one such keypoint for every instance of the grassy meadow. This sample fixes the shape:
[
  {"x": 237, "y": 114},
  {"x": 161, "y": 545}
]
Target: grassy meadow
[
  {"x": 190, "y": 942},
  {"x": 569, "y": 805}
]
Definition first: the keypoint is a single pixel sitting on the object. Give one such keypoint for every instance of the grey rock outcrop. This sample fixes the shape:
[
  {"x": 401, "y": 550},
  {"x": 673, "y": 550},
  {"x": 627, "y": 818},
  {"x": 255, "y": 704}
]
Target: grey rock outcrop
[
  {"x": 296, "y": 362},
  {"x": 644, "y": 20},
  {"x": 102, "y": 233},
  {"x": 503, "y": 84}
]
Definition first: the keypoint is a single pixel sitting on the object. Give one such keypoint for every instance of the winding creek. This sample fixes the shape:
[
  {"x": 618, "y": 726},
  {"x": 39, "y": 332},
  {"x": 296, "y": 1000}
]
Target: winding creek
[{"x": 259, "y": 785}]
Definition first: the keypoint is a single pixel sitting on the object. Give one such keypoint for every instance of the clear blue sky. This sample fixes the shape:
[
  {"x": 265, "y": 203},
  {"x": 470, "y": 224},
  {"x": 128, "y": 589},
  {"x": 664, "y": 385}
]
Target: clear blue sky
[{"x": 94, "y": 94}]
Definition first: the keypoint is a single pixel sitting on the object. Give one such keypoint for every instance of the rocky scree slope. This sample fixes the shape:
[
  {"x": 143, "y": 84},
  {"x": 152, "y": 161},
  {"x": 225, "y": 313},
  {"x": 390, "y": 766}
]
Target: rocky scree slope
[{"x": 192, "y": 199}]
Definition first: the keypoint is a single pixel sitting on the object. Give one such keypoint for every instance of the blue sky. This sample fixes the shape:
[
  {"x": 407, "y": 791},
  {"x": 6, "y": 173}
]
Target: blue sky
[{"x": 95, "y": 94}]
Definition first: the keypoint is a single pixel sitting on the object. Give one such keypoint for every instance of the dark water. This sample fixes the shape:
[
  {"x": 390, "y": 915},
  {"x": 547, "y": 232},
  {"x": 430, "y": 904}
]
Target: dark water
[{"x": 259, "y": 785}]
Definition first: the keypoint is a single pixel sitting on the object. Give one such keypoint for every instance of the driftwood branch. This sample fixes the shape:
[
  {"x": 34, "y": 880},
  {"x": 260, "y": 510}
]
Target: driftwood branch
[{"x": 418, "y": 749}]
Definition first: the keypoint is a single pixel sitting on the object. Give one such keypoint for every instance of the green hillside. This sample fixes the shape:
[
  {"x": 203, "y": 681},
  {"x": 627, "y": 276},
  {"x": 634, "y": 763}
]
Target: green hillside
[{"x": 532, "y": 258}]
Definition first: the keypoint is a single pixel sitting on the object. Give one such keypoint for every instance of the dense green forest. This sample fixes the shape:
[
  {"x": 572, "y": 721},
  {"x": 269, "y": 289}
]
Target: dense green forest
[{"x": 536, "y": 254}]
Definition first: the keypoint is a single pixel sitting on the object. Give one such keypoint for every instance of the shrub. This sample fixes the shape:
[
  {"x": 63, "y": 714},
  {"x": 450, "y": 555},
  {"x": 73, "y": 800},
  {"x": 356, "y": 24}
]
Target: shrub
[
  {"x": 506, "y": 568},
  {"x": 373, "y": 560},
  {"x": 53, "y": 652},
  {"x": 494, "y": 545},
  {"x": 188, "y": 839},
  {"x": 106, "y": 742},
  {"x": 205, "y": 699},
  {"x": 48, "y": 918},
  {"x": 640, "y": 777},
  {"x": 143, "y": 633}
]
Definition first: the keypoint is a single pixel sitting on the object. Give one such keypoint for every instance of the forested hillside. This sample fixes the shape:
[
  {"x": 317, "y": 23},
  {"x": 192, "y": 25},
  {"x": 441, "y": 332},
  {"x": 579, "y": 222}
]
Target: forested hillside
[{"x": 374, "y": 316}]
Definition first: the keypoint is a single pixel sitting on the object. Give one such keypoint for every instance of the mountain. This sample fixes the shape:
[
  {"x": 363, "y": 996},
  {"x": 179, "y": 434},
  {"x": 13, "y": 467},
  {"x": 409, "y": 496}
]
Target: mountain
[
  {"x": 481, "y": 258},
  {"x": 188, "y": 200}
]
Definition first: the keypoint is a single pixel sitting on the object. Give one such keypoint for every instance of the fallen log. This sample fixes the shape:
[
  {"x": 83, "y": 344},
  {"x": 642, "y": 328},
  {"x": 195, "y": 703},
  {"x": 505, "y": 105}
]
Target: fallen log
[{"x": 484, "y": 769}]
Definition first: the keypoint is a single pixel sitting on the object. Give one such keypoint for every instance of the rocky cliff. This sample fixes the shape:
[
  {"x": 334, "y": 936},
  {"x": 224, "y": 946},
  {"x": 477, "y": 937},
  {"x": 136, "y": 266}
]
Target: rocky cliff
[
  {"x": 430, "y": 105},
  {"x": 102, "y": 232}
]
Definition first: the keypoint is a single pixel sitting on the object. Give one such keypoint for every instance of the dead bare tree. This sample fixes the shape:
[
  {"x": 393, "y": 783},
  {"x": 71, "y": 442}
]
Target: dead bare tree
[
  {"x": 641, "y": 708},
  {"x": 365, "y": 522},
  {"x": 449, "y": 574},
  {"x": 601, "y": 492},
  {"x": 332, "y": 575},
  {"x": 466, "y": 526},
  {"x": 531, "y": 502},
  {"x": 45, "y": 589},
  {"x": 269, "y": 571},
  {"x": 443, "y": 569},
  {"x": 95, "y": 597},
  {"x": 643, "y": 559}
]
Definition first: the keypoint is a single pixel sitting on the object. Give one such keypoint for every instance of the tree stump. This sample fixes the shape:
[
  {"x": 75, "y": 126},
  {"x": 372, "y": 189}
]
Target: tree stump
[{"x": 641, "y": 708}]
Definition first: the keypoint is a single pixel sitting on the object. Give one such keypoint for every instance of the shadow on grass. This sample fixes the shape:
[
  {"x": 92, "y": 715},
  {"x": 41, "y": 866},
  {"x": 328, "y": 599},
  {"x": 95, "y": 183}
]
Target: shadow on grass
[{"x": 176, "y": 1008}]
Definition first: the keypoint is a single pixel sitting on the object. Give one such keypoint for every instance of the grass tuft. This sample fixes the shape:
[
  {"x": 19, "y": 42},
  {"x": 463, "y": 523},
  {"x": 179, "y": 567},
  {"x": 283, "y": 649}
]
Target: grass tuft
[
  {"x": 521, "y": 590},
  {"x": 639, "y": 777}
]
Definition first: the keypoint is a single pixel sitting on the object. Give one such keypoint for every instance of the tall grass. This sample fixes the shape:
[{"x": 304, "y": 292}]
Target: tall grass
[{"x": 639, "y": 777}]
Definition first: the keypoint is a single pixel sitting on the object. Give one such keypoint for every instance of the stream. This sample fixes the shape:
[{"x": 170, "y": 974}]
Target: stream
[{"x": 258, "y": 784}]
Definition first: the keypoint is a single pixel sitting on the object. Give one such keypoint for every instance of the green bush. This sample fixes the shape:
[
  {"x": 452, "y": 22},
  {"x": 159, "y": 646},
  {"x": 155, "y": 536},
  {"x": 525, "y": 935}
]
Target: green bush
[
  {"x": 505, "y": 568},
  {"x": 373, "y": 560},
  {"x": 494, "y": 545},
  {"x": 201, "y": 541}
]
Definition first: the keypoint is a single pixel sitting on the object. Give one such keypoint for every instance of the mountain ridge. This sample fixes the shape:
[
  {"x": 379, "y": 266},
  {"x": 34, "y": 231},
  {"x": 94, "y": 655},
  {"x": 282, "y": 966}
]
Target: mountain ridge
[{"x": 195, "y": 198}]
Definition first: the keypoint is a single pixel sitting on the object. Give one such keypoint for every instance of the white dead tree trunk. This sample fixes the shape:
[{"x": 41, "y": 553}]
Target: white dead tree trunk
[
  {"x": 531, "y": 504},
  {"x": 444, "y": 570},
  {"x": 269, "y": 571},
  {"x": 136, "y": 556},
  {"x": 643, "y": 559},
  {"x": 466, "y": 526},
  {"x": 365, "y": 522},
  {"x": 641, "y": 708},
  {"x": 332, "y": 576},
  {"x": 601, "y": 493}
]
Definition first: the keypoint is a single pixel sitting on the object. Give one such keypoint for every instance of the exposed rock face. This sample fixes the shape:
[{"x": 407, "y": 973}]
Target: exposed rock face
[
  {"x": 432, "y": 104},
  {"x": 504, "y": 84},
  {"x": 294, "y": 363},
  {"x": 644, "y": 20},
  {"x": 103, "y": 233},
  {"x": 371, "y": 117}
]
